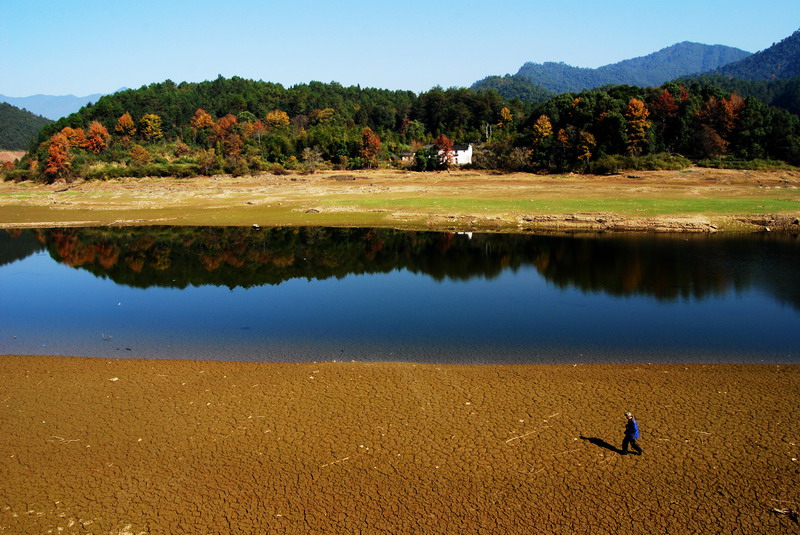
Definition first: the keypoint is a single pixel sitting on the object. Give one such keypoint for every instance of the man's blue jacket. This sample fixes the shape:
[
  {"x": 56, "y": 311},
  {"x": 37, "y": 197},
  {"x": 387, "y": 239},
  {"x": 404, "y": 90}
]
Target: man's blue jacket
[{"x": 632, "y": 429}]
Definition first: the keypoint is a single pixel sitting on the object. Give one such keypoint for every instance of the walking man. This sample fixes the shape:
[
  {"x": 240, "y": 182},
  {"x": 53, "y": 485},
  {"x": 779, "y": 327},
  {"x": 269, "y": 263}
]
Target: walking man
[{"x": 631, "y": 434}]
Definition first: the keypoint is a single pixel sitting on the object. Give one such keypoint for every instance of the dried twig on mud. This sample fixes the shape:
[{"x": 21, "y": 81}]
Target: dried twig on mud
[
  {"x": 64, "y": 440},
  {"x": 335, "y": 462},
  {"x": 526, "y": 434}
]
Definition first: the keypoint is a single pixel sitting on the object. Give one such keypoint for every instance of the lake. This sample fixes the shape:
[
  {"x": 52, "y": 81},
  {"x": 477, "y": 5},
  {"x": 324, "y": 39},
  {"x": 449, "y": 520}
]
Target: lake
[{"x": 321, "y": 294}]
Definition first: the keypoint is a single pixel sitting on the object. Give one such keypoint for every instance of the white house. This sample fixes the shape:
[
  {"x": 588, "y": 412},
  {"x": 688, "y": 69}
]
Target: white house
[{"x": 462, "y": 154}]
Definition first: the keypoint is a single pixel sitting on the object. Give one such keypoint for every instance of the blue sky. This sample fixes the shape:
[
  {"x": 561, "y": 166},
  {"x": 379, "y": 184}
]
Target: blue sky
[{"x": 60, "y": 47}]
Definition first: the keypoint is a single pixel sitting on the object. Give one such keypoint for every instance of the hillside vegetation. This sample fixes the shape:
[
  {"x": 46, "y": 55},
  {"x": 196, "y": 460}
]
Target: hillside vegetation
[
  {"x": 780, "y": 61},
  {"x": 18, "y": 128},
  {"x": 241, "y": 126}
]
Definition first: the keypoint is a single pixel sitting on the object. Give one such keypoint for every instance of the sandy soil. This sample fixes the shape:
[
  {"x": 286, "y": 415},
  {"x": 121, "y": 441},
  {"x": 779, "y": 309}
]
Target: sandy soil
[
  {"x": 125, "y": 446},
  {"x": 11, "y": 155},
  {"x": 461, "y": 200}
]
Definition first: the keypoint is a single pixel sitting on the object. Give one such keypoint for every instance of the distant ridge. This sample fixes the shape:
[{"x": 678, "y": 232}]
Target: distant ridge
[
  {"x": 678, "y": 60},
  {"x": 51, "y": 106},
  {"x": 781, "y": 61}
]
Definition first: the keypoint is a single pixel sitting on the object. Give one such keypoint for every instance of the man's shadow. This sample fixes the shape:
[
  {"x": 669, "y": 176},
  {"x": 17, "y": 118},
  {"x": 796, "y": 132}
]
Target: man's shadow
[{"x": 602, "y": 443}]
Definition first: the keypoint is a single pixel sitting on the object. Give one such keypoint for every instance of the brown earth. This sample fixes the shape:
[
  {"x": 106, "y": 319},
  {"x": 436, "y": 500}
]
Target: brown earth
[
  {"x": 461, "y": 200},
  {"x": 126, "y": 446},
  {"x": 11, "y": 155}
]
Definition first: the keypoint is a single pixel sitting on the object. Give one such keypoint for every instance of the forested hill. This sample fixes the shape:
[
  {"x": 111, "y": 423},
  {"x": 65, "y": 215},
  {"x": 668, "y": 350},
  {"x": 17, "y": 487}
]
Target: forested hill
[
  {"x": 18, "y": 128},
  {"x": 648, "y": 71},
  {"x": 314, "y": 110},
  {"x": 780, "y": 61},
  {"x": 514, "y": 87}
]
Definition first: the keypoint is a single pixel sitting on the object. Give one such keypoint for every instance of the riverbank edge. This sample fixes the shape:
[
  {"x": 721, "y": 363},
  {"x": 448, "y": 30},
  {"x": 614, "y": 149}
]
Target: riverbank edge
[{"x": 453, "y": 202}]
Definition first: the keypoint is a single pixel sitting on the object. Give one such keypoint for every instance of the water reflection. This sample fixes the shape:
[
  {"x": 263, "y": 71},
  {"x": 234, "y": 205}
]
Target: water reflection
[{"x": 664, "y": 267}]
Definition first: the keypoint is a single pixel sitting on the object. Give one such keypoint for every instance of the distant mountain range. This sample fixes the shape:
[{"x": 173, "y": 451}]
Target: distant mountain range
[
  {"x": 18, "y": 128},
  {"x": 678, "y": 60},
  {"x": 781, "y": 61},
  {"x": 50, "y": 106}
]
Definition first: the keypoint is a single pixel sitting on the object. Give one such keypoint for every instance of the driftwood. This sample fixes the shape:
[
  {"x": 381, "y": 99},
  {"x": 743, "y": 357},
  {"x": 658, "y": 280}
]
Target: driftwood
[{"x": 791, "y": 513}]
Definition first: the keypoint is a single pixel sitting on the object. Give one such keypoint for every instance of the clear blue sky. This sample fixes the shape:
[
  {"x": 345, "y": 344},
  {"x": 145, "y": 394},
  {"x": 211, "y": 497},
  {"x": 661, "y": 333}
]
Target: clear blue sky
[{"x": 81, "y": 47}]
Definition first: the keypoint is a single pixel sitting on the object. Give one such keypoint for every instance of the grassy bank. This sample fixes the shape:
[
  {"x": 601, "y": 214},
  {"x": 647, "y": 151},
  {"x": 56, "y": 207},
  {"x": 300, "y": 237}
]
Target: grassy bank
[{"x": 687, "y": 200}]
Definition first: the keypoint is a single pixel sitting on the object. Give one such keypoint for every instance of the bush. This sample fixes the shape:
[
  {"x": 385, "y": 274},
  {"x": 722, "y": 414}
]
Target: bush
[
  {"x": 139, "y": 171},
  {"x": 276, "y": 169},
  {"x": 611, "y": 164},
  {"x": 750, "y": 165},
  {"x": 17, "y": 175}
]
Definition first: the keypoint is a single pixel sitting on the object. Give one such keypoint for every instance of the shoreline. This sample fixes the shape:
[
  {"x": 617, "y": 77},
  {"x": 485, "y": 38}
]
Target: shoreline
[
  {"x": 153, "y": 446},
  {"x": 693, "y": 200}
]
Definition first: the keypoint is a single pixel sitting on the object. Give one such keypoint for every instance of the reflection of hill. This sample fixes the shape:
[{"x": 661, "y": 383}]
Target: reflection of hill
[
  {"x": 665, "y": 267},
  {"x": 672, "y": 267},
  {"x": 16, "y": 245}
]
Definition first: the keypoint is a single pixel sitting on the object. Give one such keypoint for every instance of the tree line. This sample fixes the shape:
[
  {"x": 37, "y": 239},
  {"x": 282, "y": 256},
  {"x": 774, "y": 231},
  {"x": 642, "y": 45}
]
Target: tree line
[{"x": 242, "y": 126}]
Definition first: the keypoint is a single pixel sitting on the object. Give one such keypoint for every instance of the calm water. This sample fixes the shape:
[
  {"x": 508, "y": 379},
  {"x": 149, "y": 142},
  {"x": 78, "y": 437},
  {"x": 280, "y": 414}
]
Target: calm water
[{"x": 360, "y": 294}]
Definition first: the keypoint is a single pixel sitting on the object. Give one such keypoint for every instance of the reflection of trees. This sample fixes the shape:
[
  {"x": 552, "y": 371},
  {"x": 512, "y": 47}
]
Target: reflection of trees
[
  {"x": 16, "y": 245},
  {"x": 666, "y": 267}
]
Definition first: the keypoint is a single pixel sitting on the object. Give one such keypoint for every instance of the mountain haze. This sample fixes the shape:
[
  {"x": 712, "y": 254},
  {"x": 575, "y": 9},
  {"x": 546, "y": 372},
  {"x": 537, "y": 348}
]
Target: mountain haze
[
  {"x": 648, "y": 71},
  {"x": 51, "y": 106}
]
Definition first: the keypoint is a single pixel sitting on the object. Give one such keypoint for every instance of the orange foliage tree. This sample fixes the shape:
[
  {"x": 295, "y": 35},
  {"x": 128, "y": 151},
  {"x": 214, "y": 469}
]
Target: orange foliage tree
[
  {"x": 202, "y": 119},
  {"x": 226, "y": 133},
  {"x": 125, "y": 126},
  {"x": 370, "y": 146},
  {"x": 637, "y": 114},
  {"x": 98, "y": 138},
  {"x": 76, "y": 138},
  {"x": 58, "y": 155}
]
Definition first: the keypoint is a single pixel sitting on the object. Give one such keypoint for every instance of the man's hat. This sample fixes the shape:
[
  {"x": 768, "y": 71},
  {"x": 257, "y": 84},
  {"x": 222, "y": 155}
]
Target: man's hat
[{"x": 628, "y": 415}]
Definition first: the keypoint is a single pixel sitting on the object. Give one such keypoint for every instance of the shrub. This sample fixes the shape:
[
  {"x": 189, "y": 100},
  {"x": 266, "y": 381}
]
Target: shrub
[
  {"x": 17, "y": 175},
  {"x": 615, "y": 163},
  {"x": 751, "y": 165}
]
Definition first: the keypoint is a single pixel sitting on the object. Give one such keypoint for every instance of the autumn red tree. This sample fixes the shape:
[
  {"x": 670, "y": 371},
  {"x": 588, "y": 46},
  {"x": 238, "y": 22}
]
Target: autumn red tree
[
  {"x": 58, "y": 155},
  {"x": 664, "y": 106},
  {"x": 227, "y": 135},
  {"x": 370, "y": 146},
  {"x": 444, "y": 148},
  {"x": 97, "y": 138},
  {"x": 722, "y": 114}
]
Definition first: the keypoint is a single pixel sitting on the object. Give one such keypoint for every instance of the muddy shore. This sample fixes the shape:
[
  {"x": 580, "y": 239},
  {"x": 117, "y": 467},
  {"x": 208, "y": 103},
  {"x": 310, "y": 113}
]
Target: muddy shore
[
  {"x": 690, "y": 200},
  {"x": 133, "y": 446}
]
